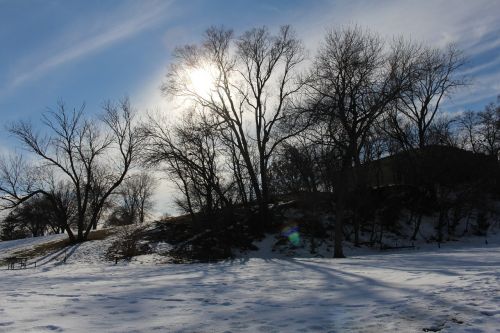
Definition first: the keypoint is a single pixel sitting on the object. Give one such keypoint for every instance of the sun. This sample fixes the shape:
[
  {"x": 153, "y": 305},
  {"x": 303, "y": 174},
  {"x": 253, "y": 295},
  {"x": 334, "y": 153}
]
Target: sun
[{"x": 202, "y": 80}]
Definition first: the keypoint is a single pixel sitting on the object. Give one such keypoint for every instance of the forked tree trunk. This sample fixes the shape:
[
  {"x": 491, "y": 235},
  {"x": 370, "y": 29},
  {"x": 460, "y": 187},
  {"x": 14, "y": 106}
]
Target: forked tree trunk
[{"x": 70, "y": 233}]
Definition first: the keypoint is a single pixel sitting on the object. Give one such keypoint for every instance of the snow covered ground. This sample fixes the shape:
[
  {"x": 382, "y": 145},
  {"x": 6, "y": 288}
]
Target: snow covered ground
[
  {"x": 452, "y": 289},
  {"x": 8, "y": 248}
]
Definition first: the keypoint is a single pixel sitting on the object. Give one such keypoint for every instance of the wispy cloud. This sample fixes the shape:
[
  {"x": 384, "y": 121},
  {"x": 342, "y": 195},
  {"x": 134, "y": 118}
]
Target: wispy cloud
[
  {"x": 472, "y": 25},
  {"x": 149, "y": 97},
  {"x": 126, "y": 23},
  {"x": 484, "y": 88},
  {"x": 437, "y": 22},
  {"x": 493, "y": 64}
]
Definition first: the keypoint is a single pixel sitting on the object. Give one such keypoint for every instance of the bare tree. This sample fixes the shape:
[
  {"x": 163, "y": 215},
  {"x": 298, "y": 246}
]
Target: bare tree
[
  {"x": 443, "y": 132},
  {"x": 489, "y": 129},
  {"x": 21, "y": 182},
  {"x": 436, "y": 77},
  {"x": 144, "y": 187},
  {"x": 190, "y": 151},
  {"x": 136, "y": 197},
  {"x": 254, "y": 83},
  {"x": 78, "y": 150},
  {"x": 63, "y": 205},
  {"x": 468, "y": 126},
  {"x": 17, "y": 178},
  {"x": 479, "y": 131},
  {"x": 36, "y": 216},
  {"x": 354, "y": 82}
]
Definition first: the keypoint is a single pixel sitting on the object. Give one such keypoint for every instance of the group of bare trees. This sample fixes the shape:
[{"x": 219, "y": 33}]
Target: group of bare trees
[
  {"x": 32, "y": 219},
  {"x": 479, "y": 131},
  {"x": 77, "y": 164},
  {"x": 220, "y": 152},
  {"x": 354, "y": 81},
  {"x": 265, "y": 102},
  {"x": 133, "y": 200},
  {"x": 266, "y": 119}
]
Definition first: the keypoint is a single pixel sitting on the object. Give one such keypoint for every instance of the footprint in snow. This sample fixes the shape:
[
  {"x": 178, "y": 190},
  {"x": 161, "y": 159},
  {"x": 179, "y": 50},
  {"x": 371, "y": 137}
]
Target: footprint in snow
[
  {"x": 382, "y": 315},
  {"x": 490, "y": 313},
  {"x": 51, "y": 328},
  {"x": 316, "y": 328}
]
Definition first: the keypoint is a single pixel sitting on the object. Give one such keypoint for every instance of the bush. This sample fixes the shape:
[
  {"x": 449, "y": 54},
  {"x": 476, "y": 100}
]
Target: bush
[{"x": 128, "y": 243}]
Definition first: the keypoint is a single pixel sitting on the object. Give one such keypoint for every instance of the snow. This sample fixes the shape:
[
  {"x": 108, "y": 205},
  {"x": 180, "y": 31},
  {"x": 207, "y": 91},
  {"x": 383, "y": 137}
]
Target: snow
[
  {"x": 451, "y": 289},
  {"x": 7, "y": 248}
]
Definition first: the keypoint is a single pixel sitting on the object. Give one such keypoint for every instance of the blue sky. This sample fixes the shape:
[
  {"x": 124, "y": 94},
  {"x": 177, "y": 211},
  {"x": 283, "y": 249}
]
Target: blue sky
[{"x": 92, "y": 51}]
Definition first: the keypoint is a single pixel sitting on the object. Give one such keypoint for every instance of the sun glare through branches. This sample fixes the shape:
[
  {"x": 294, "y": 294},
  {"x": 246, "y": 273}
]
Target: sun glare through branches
[{"x": 201, "y": 80}]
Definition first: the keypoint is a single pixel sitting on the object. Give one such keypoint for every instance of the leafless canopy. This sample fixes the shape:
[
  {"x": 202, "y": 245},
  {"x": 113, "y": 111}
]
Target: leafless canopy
[
  {"x": 254, "y": 85},
  {"x": 92, "y": 156},
  {"x": 435, "y": 78}
]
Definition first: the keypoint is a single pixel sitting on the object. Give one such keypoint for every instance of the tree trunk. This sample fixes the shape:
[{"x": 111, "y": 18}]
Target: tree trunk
[
  {"x": 141, "y": 210},
  {"x": 421, "y": 136},
  {"x": 443, "y": 217},
  {"x": 342, "y": 191},
  {"x": 343, "y": 187},
  {"x": 80, "y": 237},
  {"x": 417, "y": 227},
  {"x": 264, "y": 209},
  {"x": 356, "y": 229},
  {"x": 338, "y": 250},
  {"x": 381, "y": 234},
  {"x": 71, "y": 236},
  {"x": 372, "y": 234},
  {"x": 466, "y": 230}
]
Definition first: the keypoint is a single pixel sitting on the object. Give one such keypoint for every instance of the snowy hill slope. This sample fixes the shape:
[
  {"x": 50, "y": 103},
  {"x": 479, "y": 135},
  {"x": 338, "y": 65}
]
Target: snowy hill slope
[
  {"x": 7, "y": 248},
  {"x": 451, "y": 289}
]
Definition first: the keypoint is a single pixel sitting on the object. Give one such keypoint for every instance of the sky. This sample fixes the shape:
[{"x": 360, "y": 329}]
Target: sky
[{"x": 93, "y": 51}]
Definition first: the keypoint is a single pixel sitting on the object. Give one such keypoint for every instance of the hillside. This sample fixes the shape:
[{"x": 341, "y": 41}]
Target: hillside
[
  {"x": 453, "y": 289},
  {"x": 125, "y": 279}
]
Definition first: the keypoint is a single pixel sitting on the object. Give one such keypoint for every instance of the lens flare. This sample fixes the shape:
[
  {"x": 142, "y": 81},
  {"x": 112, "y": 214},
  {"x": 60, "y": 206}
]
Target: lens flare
[{"x": 292, "y": 233}]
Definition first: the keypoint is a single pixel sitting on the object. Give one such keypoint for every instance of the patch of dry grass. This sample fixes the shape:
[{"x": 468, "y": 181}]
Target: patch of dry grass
[
  {"x": 39, "y": 250},
  {"x": 50, "y": 247},
  {"x": 101, "y": 234}
]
